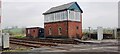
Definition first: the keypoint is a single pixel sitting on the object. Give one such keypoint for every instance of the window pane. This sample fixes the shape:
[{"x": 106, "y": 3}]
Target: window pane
[
  {"x": 28, "y": 31},
  {"x": 46, "y": 18},
  {"x": 60, "y": 31},
  {"x": 62, "y": 15},
  {"x": 74, "y": 16},
  {"x": 78, "y": 16},
  {"x": 58, "y": 16},
  {"x": 71, "y": 15},
  {"x": 65, "y": 15},
  {"x": 49, "y": 18},
  {"x": 50, "y": 31},
  {"x": 55, "y": 17},
  {"x": 52, "y": 17}
]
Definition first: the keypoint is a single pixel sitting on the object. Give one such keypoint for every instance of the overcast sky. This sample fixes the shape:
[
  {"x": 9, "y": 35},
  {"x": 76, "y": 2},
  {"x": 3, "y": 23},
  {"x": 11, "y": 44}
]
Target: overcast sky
[{"x": 29, "y": 12}]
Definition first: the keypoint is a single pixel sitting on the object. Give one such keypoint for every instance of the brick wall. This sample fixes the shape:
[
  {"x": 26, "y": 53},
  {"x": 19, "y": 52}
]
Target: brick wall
[
  {"x": 69, "y": 29},
  {"x": 75, "y": 29},
  {"x": 33, "y": 32},
  {"x": 54, "y": 27}
]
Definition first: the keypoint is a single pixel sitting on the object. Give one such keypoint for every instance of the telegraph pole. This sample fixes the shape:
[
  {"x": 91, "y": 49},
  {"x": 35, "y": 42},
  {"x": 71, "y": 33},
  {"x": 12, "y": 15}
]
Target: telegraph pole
[
  {"x": 0, "y": 29},
  {"x": 89, "y": 32}
]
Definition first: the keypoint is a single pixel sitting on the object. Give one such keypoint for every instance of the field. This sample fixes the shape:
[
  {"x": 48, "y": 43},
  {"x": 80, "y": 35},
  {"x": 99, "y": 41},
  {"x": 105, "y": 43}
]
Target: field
[{"x": 15, "y": 31}]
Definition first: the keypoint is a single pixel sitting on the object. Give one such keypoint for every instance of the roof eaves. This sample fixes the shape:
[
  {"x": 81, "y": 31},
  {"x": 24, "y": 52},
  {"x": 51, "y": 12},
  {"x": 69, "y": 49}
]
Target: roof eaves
[
  {"x": 51, "y": 9},
  {"x": 54, "y": 11}
]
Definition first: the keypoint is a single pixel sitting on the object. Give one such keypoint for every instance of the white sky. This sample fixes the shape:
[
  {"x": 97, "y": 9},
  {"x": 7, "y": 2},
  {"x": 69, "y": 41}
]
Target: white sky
[
  {"x": 29, "y": 12},
  {"x": 60, "y": 0}
]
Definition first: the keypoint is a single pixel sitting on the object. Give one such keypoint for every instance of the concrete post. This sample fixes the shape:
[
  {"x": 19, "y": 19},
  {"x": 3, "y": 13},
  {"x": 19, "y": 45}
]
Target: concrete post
[
  {"x": 118, "y": 33},
  {"x": 6, "y": 40},
  {"x": 115, "y": 33},
  {"x": 99, "y": 33}
]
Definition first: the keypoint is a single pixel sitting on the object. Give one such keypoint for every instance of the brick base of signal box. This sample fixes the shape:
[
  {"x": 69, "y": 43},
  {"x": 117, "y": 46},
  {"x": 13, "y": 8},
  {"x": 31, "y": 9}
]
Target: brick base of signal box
[{"x": 70, "y": 29}]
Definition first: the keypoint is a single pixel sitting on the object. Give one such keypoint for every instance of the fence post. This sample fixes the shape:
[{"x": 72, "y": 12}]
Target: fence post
[
  {"x": 115, "y": 33},
  {"x": 5, "y": 40},
  {"x": 99, "y": 33},
  {"x": 0, "y": 41}
]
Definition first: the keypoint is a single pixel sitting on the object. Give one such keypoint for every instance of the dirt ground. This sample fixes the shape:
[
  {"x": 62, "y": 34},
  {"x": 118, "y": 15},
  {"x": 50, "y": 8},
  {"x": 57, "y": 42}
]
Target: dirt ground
[{"x": 109, "y": 45}]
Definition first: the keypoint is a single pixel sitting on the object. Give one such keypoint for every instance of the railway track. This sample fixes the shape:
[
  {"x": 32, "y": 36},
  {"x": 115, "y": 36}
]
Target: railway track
[
  {"x": 58, "y": 41},
  {"x": 30, "y": 43},
  {"x": 47, "y": 42},
  {"x": 40, "y": 42}
]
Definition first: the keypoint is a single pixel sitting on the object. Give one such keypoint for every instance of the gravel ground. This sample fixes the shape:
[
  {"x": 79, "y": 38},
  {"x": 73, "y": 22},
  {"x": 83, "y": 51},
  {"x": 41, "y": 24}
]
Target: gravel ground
[
  {"x": 17, "y": 48},
  {"x": 90, "y": 49},
  {"x": 101, "y": 46}
]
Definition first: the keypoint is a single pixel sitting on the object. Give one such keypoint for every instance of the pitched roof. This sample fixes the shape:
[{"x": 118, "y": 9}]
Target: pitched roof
[{"x": 61, "y": 7}]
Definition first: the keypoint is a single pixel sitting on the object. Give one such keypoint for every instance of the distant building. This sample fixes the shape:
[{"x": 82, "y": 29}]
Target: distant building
[
  {"x": 64, "y": 21},
  {"x": 35, "y": 32}
]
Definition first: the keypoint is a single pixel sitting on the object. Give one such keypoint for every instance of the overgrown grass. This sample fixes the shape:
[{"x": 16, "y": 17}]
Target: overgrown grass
[
  {"x": 16, "y": 50},
  {"x": 19, "y": 36}
]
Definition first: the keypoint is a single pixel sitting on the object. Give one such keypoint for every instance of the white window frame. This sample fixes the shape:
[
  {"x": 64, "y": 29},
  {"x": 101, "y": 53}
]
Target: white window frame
[
  {"x": 58, "y": 16},
  {"x": 50, "y": 31},
  {"x": 59, "y": 31},
  {"x": 28, "y": 31},
  {"x": 73, "y": 17}
]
